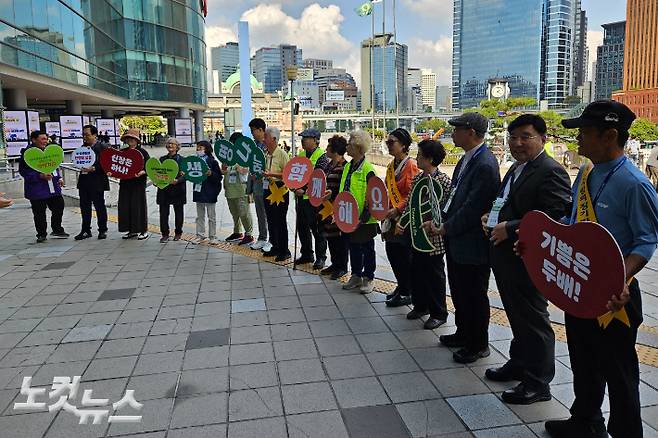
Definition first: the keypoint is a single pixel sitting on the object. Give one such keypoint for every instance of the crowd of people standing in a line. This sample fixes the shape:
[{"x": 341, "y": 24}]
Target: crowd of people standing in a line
[{"x": 480, "y": 217}]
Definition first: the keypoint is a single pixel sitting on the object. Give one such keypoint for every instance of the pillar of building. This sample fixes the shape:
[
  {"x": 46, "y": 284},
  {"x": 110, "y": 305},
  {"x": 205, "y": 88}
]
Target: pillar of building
[
  {"x": 198, "y": 125},
  {"x": 74, "y": 107},
  {"x": 16, "y": 98},
  {"x": 183, "y": 113}
]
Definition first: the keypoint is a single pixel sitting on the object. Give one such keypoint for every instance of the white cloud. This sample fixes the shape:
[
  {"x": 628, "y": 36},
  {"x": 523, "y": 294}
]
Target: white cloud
[
  {"x": 439, "y": 11},
  {"x": 218, "y": 35},
  {"x": 436, "y": 55}
]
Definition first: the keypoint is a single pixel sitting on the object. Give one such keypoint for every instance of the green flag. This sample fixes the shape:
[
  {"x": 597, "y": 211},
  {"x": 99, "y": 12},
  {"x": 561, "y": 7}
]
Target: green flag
[{"x": 364, "y": 9}]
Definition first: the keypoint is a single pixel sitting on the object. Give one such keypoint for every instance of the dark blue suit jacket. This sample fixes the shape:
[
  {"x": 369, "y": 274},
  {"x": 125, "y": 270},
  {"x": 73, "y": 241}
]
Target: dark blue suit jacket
[{"x": 465, "y": 239}]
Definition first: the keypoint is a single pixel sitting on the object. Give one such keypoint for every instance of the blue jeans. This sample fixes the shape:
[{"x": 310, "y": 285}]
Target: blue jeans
[{"x": 362, "y": 259}]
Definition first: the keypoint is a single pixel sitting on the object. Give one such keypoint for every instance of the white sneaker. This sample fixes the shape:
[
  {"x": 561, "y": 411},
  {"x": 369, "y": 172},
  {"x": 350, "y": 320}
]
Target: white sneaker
[
  {"x": 259, "y": 244},
  {"x": 354, "y": 283},
  {"x": 143, "y": 236},
  {"x": 367, "y": 285},
  {"x": 267, "y": 247}
]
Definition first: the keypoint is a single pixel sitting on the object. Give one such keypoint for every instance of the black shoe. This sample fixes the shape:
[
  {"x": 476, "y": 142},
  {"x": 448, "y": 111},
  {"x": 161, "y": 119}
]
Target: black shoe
[
  {"x": 337, "y": 274},
  {"x": 328, "y": 271},
  {"x": 451, "y": 341},
  {"x": 433, "y": 323},
  {"x": 102, "y": 235},
  {"x": 575, "y": 428},
  {"x": 319, "y": 264},
  {"x": 393, "y": 294},
  {"x": 417, "y": 314},
  {"x": 399, "y": 300},
  {"x": 506, "y": 373},
  {"x": 283, "y": 257},
  {"x": 522, "y": 394},
  {"x": 41, "y": 239},
  {"x": 60, "y": 234},
  {"x": 83, "y": 235},
  {"x": 270, "y": 253},
  {"x": 129, "y": 235},
  {"x": 466, "y": 355},
  {"x": 303, "y": 260}
]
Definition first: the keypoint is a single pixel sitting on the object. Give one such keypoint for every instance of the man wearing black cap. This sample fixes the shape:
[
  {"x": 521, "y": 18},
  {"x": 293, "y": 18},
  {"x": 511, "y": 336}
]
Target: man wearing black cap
[
  {"x": 308, "y": 221},
  {"x": 475, "y": 183},
  {"x": 534, "y": 182},
  {"x": 603, "y": 351}
]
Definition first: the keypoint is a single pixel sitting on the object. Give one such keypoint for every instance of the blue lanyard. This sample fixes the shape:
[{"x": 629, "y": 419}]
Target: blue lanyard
[
  {"x": 606, "y": 180},
  {"x": 468, "y": 165}
]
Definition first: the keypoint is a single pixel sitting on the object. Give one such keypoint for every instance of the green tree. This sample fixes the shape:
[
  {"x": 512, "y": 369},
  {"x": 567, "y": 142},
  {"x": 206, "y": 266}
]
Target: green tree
[
  {"x": 643, "y": 130},
  {"x": 146, "y": 124},
  {"x": 432, "y": 125}
]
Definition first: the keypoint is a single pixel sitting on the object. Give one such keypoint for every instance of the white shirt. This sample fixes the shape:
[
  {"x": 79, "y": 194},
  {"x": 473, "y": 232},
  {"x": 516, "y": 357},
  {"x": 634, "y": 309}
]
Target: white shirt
[{"x": 467, "y": 157}]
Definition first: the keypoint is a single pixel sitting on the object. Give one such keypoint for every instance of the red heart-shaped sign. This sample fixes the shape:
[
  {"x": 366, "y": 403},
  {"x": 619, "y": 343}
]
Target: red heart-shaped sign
[
  {"x": 297, "y": 172},
  {"x": 577, "y": 267},
  {"x": 122, "y": 164},
  {"x": 377, "y": 197}
]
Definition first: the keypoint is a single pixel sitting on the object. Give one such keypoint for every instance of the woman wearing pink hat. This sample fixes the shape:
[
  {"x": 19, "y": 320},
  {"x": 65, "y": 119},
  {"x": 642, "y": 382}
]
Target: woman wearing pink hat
[{"x": 133, "y": 217}]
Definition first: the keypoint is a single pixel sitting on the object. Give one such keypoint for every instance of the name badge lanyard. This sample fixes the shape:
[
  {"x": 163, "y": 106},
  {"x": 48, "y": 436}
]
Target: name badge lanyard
[
  {"x": 461, "y": 176},
  {"x": 266, "y": 181},
  {"x": 605, "y": 182},
  {"x": 501, "y": 199}
]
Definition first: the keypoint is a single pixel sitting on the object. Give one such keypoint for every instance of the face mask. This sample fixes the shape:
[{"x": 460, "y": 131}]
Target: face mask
[{"x": 200, "y": 153}]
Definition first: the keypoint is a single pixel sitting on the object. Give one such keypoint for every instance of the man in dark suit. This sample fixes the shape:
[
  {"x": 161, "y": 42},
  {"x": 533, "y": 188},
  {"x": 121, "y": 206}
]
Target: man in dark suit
[
  {"x": 475, "y": 184},
  {"x": 534, "y": 182},
  {"x": 92, "y": 185}
]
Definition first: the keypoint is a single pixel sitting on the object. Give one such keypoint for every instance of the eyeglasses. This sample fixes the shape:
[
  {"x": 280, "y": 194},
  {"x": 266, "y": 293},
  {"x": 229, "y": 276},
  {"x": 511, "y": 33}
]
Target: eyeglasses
[
  {"x": 390, "y": 142},
  {"x": 523, "y": 138}
]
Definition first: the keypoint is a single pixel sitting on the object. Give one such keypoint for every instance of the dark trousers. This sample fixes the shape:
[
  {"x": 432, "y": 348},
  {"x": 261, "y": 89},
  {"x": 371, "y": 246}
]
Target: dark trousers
[
  {"x": 56, "y": 207},
  {"x": 399, "y": 256},
  {"x": 179, "y": 215},
  {"x": 428, "y": 284},
  {"x": 606, "y": 356},
  {"x": 362, "y": 259},
  {"x": 97, "y": 198},
  {"x": 468, "y": 288},
  {"x": 308, "y": 223},
  {"x": 339, "y": 250},
  {"x": 532, "y": 350},
  {"x": 277, "y": 224}
]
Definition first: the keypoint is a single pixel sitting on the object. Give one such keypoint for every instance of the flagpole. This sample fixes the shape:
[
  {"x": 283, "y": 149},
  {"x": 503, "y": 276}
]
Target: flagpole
[
  {"x": 384, "y": 46},
  {"x": 372, "y": 74},
  {"x": 395, "y": 62}
]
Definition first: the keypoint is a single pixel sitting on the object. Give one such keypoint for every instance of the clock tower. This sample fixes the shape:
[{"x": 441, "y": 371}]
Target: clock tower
[{"x": 498, "y": 89}]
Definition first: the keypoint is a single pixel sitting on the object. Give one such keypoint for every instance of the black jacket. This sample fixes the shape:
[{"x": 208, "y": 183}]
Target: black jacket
[
  {"x": 96, "y": 181},
  {"x": 211, "y": 187},
  {"x": 173, "y": 193},
  {"x": 466, "y": 242}
]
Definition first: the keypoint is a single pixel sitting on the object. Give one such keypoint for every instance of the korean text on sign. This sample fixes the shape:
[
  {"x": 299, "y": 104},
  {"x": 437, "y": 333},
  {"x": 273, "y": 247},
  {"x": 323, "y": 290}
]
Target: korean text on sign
[
  {"x": 562, "y": 267},
  {"x": 121, "y": 164}
]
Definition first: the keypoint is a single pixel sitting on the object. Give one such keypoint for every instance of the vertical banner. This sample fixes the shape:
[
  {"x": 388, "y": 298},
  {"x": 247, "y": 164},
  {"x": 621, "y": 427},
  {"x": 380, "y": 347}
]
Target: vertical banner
[
  {"x": 183, "y": 130},
  {"x": 71, "y": 127},
  {"x": 52, "y": 128},
  {"x": 108, "y": 127},
  {"x": 245, "y": 76},
  {"x": 33, "y": 121},
  {"x": 15, "y": 131}
]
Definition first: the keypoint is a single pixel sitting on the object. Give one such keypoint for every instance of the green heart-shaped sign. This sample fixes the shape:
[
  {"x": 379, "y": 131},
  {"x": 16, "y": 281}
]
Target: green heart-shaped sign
[
  {"x": 162, "y": 174},
  {"x": 194, "y": 168},
  {"x": 44, "y": 161},
  {"x": 225, "y": 151}
]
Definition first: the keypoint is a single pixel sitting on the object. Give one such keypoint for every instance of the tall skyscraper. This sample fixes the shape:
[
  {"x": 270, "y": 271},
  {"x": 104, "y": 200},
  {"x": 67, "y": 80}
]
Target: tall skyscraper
[
  {"x": 640, "y": 82},
  {"x": 269, "y": 65},
  {"x": 414, "y": 95},
  {"x": 609, "y": 69},
  {"x": 428, "y": 88},
  {"x": 580, "y": 53},
  {"x": 529, "y": 43},
  {"x": 225, "y": 59},
  {"x": 390, "y": 62}
]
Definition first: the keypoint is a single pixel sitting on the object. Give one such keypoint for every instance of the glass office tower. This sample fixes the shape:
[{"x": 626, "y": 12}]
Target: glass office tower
[{"x": 140, "y": 50}]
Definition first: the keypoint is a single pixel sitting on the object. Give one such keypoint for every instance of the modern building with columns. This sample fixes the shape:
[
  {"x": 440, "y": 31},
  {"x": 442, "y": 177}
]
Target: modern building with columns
[{"x": 104, "y": 58}]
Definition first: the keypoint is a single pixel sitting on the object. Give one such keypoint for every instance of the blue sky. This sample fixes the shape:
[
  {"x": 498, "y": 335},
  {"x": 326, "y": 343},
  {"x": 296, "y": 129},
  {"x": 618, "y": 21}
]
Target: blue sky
[{"x": 331, "y": 29}]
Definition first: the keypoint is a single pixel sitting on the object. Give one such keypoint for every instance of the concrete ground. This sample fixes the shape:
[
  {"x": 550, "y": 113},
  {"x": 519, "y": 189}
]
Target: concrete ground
[{"x": 216, "y": 341}]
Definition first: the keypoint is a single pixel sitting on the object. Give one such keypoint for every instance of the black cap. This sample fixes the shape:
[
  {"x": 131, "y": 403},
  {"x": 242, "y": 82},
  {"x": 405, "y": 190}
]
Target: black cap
[
  {"x": 605, "y": 114},
  {"x": 475, "y": 121}
]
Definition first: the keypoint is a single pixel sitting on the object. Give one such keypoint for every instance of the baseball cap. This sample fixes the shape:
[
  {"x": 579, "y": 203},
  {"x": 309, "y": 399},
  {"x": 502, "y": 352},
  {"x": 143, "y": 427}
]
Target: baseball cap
[
  {"x": 603, "y": 113},
  {"x": 475, "y": 121},
  {"x": 310, "y": 132}
]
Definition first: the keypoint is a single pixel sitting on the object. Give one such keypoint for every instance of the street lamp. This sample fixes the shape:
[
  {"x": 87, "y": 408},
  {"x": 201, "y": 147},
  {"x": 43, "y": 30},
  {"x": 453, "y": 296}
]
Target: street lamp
[{"x": 291, "y": 71}]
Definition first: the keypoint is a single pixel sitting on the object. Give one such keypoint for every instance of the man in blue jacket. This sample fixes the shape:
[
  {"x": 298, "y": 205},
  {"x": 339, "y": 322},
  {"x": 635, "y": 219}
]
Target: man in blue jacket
[
  {"x": 475, "y": 183},
  {"x": 43, "y": 191}
]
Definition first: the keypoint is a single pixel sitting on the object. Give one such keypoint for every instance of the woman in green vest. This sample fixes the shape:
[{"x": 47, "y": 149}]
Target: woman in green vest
[{"x": 362, "y": 241}]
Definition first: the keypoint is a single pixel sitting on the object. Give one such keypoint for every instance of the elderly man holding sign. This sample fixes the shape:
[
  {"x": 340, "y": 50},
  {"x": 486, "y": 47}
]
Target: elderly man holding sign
[{"x": 618, "y": 196}]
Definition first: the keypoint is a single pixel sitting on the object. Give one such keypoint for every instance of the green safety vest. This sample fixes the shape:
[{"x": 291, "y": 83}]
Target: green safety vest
[
  {"x": 358, "y": 184},
  {"x": 317, "y": 153}
]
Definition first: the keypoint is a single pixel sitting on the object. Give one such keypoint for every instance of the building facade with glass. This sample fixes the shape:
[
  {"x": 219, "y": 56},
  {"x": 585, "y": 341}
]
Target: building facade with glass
[
  {"x": 390, "y": 62},
  {"x": 610, "y": 60},
  {"x": 105, "y": 53},
  {"x": 529, "y": 43},
  {"x": 269, "y": 65}
]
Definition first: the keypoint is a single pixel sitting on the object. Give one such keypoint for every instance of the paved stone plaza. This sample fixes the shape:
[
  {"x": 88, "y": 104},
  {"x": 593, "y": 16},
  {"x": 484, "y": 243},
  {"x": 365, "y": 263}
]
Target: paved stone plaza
[{"x": 218, "y": 343}]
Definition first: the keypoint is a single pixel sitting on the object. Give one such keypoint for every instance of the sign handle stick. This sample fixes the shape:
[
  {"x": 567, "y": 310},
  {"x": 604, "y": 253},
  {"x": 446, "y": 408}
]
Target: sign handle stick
[{"x": 294, "y": 260}]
